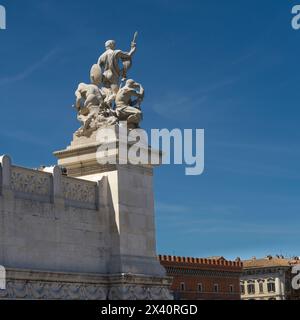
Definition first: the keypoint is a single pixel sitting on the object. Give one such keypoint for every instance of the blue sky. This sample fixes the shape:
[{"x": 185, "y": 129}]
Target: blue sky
[{"x": 230, "y": 67}]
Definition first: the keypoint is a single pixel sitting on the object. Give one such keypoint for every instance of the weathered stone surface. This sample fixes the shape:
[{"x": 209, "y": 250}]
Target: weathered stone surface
[
  {"x": 130, "y": 205},
  {"x": 24, "y": 284},
  {"x": 39, "y": 232},
  {"x": 52, "y": 225},
  {"x": 105, "y": 101}
]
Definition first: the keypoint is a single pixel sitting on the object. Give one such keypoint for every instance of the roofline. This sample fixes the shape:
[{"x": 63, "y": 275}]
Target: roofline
[{"x": 197, "y": 261}]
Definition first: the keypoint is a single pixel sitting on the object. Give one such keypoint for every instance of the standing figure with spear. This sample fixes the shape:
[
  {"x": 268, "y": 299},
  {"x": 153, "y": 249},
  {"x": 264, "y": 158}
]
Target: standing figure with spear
[{"x": 107, "y": 71}]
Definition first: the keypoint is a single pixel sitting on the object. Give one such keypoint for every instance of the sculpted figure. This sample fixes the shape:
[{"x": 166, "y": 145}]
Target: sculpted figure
[
  {"x": 128, "y": 103},
  {"x": 87, "y": 96},
  {"x": 92, "y": 105},
  {"x": 105, "y": 102},
  {"x": 109, "y": 64}
]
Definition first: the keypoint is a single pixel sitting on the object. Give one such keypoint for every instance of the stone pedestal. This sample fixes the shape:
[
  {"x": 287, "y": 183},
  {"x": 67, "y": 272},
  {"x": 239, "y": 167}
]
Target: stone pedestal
[
  {"x": 39, "y": 285},
  {"x": 128, "y": 197}
]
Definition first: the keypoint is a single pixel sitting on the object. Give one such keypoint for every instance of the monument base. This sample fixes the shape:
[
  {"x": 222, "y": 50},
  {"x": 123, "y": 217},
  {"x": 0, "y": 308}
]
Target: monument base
[
  {"x": 128, "y": 197},
  {"x": 37, "y": 285}
]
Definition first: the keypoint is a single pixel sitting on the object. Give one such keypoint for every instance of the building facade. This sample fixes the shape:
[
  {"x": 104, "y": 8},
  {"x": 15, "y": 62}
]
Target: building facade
[
  {"x": 203, "y": 279},
  {"x": 269, "y": 278}
]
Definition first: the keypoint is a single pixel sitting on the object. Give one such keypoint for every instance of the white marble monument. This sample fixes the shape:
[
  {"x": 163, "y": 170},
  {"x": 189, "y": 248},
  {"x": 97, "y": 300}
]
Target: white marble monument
[{"x": 83, "y": 229}]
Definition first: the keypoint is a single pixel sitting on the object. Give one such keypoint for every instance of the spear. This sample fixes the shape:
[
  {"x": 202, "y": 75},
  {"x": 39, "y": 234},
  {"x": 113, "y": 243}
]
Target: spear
[
  {"x": 135, "y": 37},
  {"x": 127, "y": 64}
]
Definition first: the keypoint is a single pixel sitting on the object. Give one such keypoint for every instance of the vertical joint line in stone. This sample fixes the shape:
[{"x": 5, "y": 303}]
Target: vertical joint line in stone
[{"x": 97, "y": 196}]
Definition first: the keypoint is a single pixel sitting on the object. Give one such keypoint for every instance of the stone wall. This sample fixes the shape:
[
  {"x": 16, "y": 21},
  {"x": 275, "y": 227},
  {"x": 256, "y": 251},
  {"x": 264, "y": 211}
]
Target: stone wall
[
  {"x": 67, "y": 238},
  {"x": 51, "y": 222}
]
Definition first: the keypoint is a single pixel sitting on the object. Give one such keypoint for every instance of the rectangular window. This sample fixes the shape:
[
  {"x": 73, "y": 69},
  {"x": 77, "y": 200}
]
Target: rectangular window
[
  {"x": 231, "y": 288},
  {"x": 182, "y": 286},
  {"x": 251, "y": 288},
  {"x": 216, "y": 288},
  {"x": 261, "y": 287},
  {"x": 200, "y": 287},
  {"x": 271, "y": 287},
  {"x": 242, "y": 289}
]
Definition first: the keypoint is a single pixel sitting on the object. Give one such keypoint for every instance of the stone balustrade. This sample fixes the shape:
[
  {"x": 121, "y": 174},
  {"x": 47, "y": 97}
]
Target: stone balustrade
[{"x": 43, "y": 186}]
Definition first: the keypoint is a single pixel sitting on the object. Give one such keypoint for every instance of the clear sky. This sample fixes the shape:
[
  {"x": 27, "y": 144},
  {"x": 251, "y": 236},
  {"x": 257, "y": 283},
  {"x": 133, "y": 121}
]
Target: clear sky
[{"x": 230, "y": 67}]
